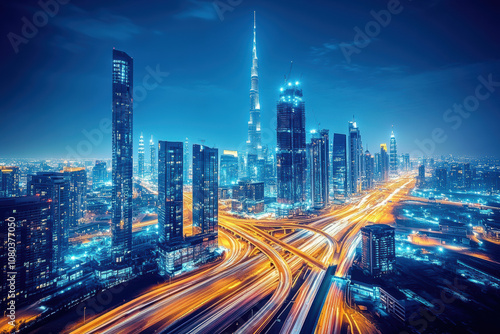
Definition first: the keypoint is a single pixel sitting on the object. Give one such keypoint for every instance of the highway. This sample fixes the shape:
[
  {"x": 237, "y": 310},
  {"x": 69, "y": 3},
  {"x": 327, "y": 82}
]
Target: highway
[{"x": 263, "y": 261}]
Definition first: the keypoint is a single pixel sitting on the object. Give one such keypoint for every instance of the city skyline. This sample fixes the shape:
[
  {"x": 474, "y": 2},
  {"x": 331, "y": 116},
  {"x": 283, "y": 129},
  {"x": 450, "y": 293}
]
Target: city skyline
[
  {"x": 336, "y": 88},
  {"x": 336, "y": 199}
]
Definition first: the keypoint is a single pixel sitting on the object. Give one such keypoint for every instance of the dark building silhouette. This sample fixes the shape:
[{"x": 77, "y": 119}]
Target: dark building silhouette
[{"x": 122, "y": 109}]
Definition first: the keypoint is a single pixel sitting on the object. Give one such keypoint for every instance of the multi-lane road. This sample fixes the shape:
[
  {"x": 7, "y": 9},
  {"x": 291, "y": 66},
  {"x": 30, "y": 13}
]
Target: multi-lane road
[{"x": 259, "y": 270}]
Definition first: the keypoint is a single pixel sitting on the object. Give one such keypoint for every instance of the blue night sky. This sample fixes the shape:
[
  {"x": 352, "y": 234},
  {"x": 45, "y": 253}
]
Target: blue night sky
[{"x": 425, "y": 60}]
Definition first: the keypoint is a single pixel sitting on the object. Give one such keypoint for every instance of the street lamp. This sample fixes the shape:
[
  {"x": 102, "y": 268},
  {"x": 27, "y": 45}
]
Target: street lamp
[{"x": 85, "y": 308}]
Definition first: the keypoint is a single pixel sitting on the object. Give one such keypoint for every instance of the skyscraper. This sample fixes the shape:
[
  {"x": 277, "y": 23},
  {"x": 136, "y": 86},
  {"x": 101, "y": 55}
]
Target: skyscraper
[
  {"x": 31, "y": 217},
  {"x": 77, "y": 177},
  {"x": 355, "y": 158},
  {"x": 339, "y": 165},
  {"x": 187, "y": 163},
  {"x": 369, "y": 170},
  {"x": 229, "y": 168},
  {"x": 291, "y": 145},
  {"x": 140, "y": 165},
  {"x": 393, "y": 160},
  {"x": 54, "y": 188},
  {"x": 170, "y": 192},
  {"x": 152, "y": 158},
  {"x": 421, "y": 176},
  {"x": 9, "y": 181},
  {"x": 99, "y": 174},
  {"x": 121, "y": 227},
  {"x": 205, "y": 189},
  {"x": 406, "y": 162},
  {"x": 440, "y": 175},
  {"x": 379, "y": 250},
  {"x": 384, "y": 163},
  {"x": 254, "y": 146},
  {"x": 319, "y": 169}
]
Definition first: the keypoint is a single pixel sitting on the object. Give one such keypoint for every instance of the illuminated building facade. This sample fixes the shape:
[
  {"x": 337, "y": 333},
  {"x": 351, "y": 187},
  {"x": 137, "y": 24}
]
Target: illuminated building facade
[
  {"x": 187, "y": 163},
  {"x": 384, "y": 163},
  {"x": 54, "y": 188},
  {"x": 9, "y": 181},
  {"x": 440, "y": 176},
  {"x": 369, "y": 170},
  {"x": 77, "y": 177},
  {"x": 248, "y": 197},
  {"x": 339, "y": 166},
  {"x": 33, "y": 243},
  {"x": 355, "y": 159},
  {"x": 379, "y": 250},
  {"x": 99, "y": 174},
  {"x": 152, "y": 158},
  {"x": 393, "y": 159},
  {"x": 229, "y": 168},
  {"x": 140, "y": 161},
  {"x": 176, "y": 252},
  {"x": 122, "y": 165},
  {"x": 319, "y": 169},
  {"x": 205, "y": 189},
  {"x": 170, "y": 191},
  {"x": 291, "y": 161},
  {"x": 421, "y": 176},
  {"x": 254, "y": 145}
]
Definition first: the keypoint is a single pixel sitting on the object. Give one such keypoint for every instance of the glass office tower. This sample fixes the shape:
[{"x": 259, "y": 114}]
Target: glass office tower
[
  {"x": 339, "y": 166},
  {"x": 122, "y": 109},
  {"x": 170, "y": 192},
  {"x": 319, "y": 169},
  {"x": 291, "y": 147},
  {"x": 205, "y": 189}
]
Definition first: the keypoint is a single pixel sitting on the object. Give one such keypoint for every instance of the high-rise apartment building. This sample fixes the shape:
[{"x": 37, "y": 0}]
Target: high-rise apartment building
[{"x": 54, "y": 188}]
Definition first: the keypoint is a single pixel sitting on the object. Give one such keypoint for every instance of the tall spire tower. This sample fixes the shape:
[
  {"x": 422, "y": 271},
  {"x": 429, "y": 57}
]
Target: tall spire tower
[{"x": 254, "y": 146}]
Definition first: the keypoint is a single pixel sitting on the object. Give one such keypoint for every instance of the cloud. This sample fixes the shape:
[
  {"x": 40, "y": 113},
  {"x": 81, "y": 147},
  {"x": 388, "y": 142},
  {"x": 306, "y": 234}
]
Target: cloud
[
  {"x": 100, "y": 25},
  {"x": 198, "y": 9},
  {"x": 331, "y": 46}
]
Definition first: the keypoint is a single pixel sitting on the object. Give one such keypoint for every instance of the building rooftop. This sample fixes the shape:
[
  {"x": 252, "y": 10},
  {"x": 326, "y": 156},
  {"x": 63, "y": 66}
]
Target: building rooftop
[{"x": 377, "y": 228}]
